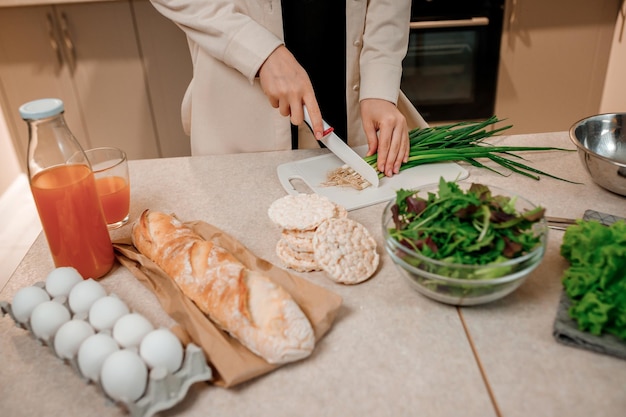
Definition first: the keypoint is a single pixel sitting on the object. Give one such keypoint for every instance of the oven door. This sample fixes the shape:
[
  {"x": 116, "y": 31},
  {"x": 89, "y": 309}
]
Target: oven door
[{"x": 451, "y": 68}]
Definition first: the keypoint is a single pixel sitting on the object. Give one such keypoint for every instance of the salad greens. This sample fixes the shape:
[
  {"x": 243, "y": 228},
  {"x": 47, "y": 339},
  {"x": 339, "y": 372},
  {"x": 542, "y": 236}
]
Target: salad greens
[
  {"x": 596, "y": 278},
  {"x": 473, "y": 227}
]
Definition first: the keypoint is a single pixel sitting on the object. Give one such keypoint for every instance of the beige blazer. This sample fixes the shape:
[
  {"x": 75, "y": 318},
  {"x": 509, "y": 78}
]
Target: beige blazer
[{"x": 224, "y": 109}]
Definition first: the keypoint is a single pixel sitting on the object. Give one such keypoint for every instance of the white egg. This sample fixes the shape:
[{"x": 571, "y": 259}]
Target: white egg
[
  {"x": 25, "y": 300},
  {"x": 130, "y": 329},
  {"x": 93, "y": 352},
  {"x": 47, "y": 318},
  {"x": 161, "y": 348},
  {"x": 84, "y": 294},
  {"x": 61, "y": 280},
  {"x": 105, "y": 311},
  {"x": 124, "y": 376},
  {"x": 69, "y": 337}
]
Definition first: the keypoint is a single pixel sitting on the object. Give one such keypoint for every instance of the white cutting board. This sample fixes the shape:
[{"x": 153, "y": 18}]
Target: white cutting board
[{"x": 313, "y": 172}]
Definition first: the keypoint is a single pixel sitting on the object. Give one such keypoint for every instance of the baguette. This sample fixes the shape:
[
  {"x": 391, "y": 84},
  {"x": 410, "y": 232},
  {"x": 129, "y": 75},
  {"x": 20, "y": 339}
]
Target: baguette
[{"x": 245, "y": 303}]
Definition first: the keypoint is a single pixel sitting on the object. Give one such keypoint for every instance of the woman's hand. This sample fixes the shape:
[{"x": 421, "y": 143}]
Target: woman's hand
[
  {"x": 387, "y": 134},
  {"x": 288, "y": 87}
]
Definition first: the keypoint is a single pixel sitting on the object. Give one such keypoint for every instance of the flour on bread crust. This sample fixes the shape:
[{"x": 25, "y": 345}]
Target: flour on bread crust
[{"x": 245, "y": 303}]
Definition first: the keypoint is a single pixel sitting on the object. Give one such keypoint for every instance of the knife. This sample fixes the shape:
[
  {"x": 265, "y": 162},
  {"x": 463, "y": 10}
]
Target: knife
[
  {"x": 561, "y": 223},
  {"x": 344, "y": 152}
]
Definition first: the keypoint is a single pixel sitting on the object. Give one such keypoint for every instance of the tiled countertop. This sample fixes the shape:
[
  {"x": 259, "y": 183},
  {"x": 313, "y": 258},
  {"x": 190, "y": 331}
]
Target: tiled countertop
[{"x": 391, "y": 352}]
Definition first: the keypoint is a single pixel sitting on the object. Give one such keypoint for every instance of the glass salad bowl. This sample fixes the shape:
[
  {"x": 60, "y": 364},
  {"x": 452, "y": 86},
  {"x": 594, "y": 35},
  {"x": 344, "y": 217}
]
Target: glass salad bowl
[{"x": 450, "y": 274}]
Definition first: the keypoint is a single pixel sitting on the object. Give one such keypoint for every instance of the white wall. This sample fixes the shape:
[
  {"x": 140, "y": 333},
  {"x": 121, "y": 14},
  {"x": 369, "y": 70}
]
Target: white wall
[
  {"x": 614, "y": 94},
  {"x": 9, "y": 165}
]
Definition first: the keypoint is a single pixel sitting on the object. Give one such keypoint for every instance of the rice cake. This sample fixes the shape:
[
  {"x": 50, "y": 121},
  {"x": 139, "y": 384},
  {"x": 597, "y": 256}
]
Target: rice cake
[
  {"x": 345, "y": 250},
  {"x": 299, "y": 240},
  {"x": 301, "y": 211},
  {"x": 298, "y": 261}
]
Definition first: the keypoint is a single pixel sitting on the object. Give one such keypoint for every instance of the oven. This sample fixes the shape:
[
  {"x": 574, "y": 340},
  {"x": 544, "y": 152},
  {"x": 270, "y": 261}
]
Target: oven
[{"x": 450, "y": 71}]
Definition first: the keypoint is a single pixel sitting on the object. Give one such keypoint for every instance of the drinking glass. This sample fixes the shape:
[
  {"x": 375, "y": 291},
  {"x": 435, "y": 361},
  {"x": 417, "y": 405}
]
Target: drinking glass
[{"x": 110, "y": 168}]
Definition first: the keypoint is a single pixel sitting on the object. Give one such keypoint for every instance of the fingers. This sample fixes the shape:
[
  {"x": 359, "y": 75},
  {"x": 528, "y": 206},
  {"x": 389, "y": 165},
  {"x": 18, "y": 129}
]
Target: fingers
[
  {"x": 284, "y": 106},
  {"x": 372, "y": 140},
  {"x": 315, "y": 115},
  {"x": 387, "y": 135},
  {"x": 287, "y": 87},
  {"x": 392, "y": 148}
]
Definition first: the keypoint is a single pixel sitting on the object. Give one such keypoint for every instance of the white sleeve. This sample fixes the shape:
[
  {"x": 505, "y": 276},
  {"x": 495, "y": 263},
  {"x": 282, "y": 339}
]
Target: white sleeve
[
  {"x": 385, "y": 42},
  {"x": 224, "y": 30}
]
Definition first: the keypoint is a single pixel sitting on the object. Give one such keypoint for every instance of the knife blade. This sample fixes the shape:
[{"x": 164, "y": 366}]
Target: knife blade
[{"x": 345, "y": 152}]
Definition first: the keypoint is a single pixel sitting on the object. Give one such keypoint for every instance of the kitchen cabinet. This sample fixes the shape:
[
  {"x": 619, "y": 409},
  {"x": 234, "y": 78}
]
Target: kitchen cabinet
[
  {"x": 614, "y": 95},
  {"x": 168, "y": 71},
  {"x": 32, "y": 69},
  {"x": 105, "y": 60},
  {"x": 554, "y": 58}
]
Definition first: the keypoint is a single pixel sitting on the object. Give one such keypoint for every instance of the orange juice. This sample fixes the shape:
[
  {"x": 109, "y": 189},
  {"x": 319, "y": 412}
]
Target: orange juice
[
  {"x": 114, "y": 195},
  {"x": 72, "y": 219}
]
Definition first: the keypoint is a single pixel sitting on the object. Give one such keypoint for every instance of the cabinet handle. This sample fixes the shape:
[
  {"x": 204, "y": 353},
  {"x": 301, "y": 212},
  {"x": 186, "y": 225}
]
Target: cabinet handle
[
  {"x": 67, "y": 40},
  {"x": 513, "y": 15},
  {"x": 53, "y": 40},
  {"x": 622, "y": 12},
  {"x": 434, "y": 24}
]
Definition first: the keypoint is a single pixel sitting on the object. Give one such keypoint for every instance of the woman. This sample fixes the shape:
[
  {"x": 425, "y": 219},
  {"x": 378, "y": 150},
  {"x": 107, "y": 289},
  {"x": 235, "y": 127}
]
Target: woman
[{"x": 246, "y": 80}]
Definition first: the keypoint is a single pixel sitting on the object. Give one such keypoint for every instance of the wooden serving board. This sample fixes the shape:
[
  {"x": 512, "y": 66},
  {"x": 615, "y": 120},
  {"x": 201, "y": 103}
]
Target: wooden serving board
[{"x": 311, "y": 173}]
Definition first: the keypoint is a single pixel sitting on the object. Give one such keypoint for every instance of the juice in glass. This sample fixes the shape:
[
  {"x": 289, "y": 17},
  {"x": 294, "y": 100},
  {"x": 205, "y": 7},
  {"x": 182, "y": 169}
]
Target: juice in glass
[
  {"x": 114, "y": 195},
  {"x": 72, "y": 219}
]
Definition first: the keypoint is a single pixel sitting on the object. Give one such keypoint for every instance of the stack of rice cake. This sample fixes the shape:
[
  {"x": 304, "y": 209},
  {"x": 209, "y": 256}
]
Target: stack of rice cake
[{"x": 317, "y": 235}]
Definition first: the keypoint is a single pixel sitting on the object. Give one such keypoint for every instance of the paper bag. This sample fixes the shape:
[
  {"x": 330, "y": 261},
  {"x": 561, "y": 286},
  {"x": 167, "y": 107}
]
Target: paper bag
[{"x": 232, "y": 362}]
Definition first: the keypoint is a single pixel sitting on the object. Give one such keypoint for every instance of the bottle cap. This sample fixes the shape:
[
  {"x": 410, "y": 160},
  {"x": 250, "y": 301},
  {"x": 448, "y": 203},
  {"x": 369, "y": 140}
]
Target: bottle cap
[{"x": 42, "y": 108}]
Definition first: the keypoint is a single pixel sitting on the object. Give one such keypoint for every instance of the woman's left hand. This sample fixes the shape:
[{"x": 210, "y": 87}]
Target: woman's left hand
[{"x": 387, "y": 134}]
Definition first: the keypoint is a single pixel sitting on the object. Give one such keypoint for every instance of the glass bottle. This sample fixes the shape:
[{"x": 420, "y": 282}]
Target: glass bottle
[{"x": 64, "y": 190}]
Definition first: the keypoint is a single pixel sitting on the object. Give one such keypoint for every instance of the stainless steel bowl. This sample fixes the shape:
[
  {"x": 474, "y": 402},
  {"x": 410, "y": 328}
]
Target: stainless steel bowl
[{"x": 601, "y": 144}]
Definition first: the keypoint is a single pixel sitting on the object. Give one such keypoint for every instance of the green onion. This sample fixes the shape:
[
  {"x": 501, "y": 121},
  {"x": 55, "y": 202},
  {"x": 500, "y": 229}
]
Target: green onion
[{"x": 463, "y": 142}]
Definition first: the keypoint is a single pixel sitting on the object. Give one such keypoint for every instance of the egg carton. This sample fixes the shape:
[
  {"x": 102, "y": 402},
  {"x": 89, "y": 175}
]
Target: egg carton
[{"x": 164, "y": 389}]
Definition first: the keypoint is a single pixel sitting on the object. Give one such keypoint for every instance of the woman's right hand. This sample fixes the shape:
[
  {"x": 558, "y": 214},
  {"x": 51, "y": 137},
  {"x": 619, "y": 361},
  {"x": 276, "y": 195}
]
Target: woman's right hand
[{"x": 288, "y": 88}]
